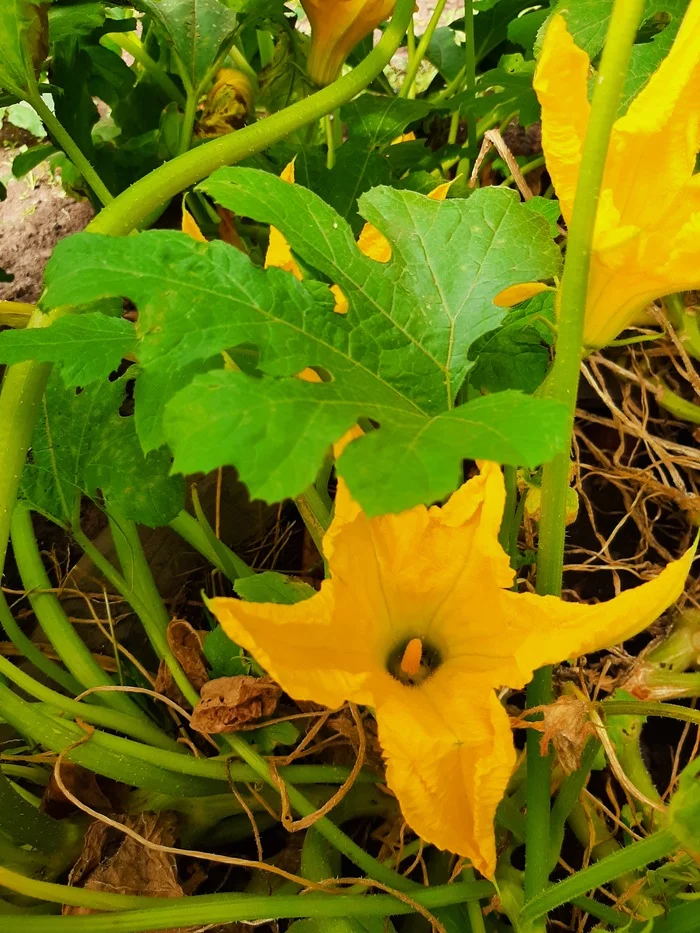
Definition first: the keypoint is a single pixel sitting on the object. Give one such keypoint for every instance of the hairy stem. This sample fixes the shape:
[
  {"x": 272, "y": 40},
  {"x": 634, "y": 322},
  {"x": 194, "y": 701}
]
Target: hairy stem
[
  {"x": 563, "y": 387},
  {"x": 632, "y": 857},
  {"x": 415, "y": 59},
  {"x": 61, "y": 135}
]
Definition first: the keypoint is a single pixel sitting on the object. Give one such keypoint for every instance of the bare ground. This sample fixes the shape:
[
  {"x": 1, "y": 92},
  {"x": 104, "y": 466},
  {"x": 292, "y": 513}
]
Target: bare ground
[{"x": 34, "y": 217}]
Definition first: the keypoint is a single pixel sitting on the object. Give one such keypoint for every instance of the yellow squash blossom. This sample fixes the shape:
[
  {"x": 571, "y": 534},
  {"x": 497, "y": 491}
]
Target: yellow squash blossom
[
  {"x": 417, "y": 620},
  {"x": 647, "y": 236},
  {"x": 336, "y": 28}
]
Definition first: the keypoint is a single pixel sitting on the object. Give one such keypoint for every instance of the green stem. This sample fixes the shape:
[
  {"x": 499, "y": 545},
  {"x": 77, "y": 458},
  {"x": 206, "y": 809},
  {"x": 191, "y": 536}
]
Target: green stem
[
  {"x": 568, "y": 796},
  {"x": 330, "y": 142},
  {"x": 103, "y": 753},
  {"x": 470, "y": 72},
  {"x": 563, "y": 387},
  {"x": 22, "y": 391},
  {"x": 613, "y": 918},
  {"x": 415, "y": 60},
  {"x": 188, "y": 121},
  {"x": 315, "y": 515},
  {"x": 55, "y": 624},
  {"x": 74, "y": 153},
  {"x": 650, "y": 708},
  {"x": 324, "y": 826},
  {"x": 242, "y": 63},
  {"x": 152, "y": 616},
  {"x": 32, "y": 654},
  {"x": 159, "y": 913},
  {"x": 15, "y": 313},
  {"x": 474, "y": 911},
  {"x": 168, "y": 180},
  {"x": 131, "y": 44},
  {"x": 680, "y": 408},
  {"x": 525, "y": 169},
  {"x": 229, "y": 563},
  {"x": 631, "y": 858},
  {"x": 134, "y": 566},
  {"x": 97, "y": 715}
]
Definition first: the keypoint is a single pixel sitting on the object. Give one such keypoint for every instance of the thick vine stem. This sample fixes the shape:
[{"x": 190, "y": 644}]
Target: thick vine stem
[
  {"x": 25, "y": 383},
  {"x": 158, "y": 913},
  {"x": 147, "y": 194},
  {"x": 563, "y": 384}
]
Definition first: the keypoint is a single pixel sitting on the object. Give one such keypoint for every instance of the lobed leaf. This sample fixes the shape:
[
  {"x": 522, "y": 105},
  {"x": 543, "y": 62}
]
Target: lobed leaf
[
  {"x": 398, "y": 357},
  {"x": 82, "y": 444},
  {"x": 88, "y": 346},
  {"x": 198, "y": 31}
]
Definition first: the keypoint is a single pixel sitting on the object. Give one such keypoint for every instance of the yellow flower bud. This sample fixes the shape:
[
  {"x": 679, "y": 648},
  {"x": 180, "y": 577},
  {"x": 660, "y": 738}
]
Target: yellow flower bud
[
  {"x": 227, "y": 104},
  {"x": 336, "y": 28}
]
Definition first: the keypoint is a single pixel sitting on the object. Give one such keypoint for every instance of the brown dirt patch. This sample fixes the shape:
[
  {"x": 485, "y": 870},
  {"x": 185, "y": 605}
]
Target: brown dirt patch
[{"x": 34, "y": 217}]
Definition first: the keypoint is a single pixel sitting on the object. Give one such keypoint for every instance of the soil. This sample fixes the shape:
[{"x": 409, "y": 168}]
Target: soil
[{"x": 34, "y": 217}]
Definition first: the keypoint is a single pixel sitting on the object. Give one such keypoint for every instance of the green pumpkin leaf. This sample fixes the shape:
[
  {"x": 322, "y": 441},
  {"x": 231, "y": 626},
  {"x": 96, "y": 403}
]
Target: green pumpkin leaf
[
  {"x": 22, "y": 44},
  {"x": 82, "y": 445},
  {"x": 199, "y": 33},
  {"x": 69, "y": 21},
  {"x": 399, "y": 357},
  {"x": 23, "y": 163},
  {"x": 516, "y": 356},
  {"x": 271, "y": 587},
  {"x": 445, "y": 54},
  {"x": 88, "y": 346}
]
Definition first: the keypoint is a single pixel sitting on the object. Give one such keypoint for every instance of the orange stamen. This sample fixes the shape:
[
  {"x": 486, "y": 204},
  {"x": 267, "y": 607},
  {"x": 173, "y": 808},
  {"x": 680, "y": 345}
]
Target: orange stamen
[{"x": 413, "y": 653}]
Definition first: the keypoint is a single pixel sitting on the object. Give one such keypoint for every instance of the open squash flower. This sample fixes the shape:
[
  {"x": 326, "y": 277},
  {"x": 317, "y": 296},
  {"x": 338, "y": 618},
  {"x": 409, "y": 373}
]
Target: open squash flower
[
  {"x": 417, "y": 620},
  {"x": 647, "y": 236},
  {"x": 336, "y": 28}
]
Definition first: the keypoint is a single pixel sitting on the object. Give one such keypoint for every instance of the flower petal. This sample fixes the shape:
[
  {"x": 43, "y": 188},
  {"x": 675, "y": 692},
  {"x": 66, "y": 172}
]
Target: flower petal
[
  {"x": 278, "y": 253},
  {"x": 191, "y": 227},
  {"x": 563, "y": 66},
  {"x": 450, "y": 754},
  {"x": 514, "y": 294},
  {"x": 659, "y": 136},
  {"x": 336, "y": 28},
  {"x": 318, "y": 649},
  {"x": 428, "y": 564},
  {"x": 375, "y": 245},
  {"x": 542, "y": 630}
]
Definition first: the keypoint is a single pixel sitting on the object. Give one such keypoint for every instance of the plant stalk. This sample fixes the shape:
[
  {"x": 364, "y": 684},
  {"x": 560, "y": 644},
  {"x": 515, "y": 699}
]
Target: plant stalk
[
  {"x": 632, "y": 857},
  {"x": 470, "y": 72},
  {"x": 159, "y": 913},
  {"x": 73, "y": 151},
  {"x": 415, "y": 60},
  {"x": 563, "y": 387}
]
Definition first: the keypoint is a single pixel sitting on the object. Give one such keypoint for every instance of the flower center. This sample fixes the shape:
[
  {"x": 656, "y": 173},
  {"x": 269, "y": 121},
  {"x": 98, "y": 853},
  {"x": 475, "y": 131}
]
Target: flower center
[{"x": 413, "y": 661}]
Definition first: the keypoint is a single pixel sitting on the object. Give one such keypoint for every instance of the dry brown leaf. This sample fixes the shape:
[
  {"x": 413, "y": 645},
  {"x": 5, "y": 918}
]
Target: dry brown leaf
[
  {"x": 186, "y": 644},
  {"x": 84, "y": 785},
  {"x": 227, "y": 703},
  {"x": 566, "y": 724},
  {"x": 111, "y": 861},
  {"x": 344, "y": 724}
]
